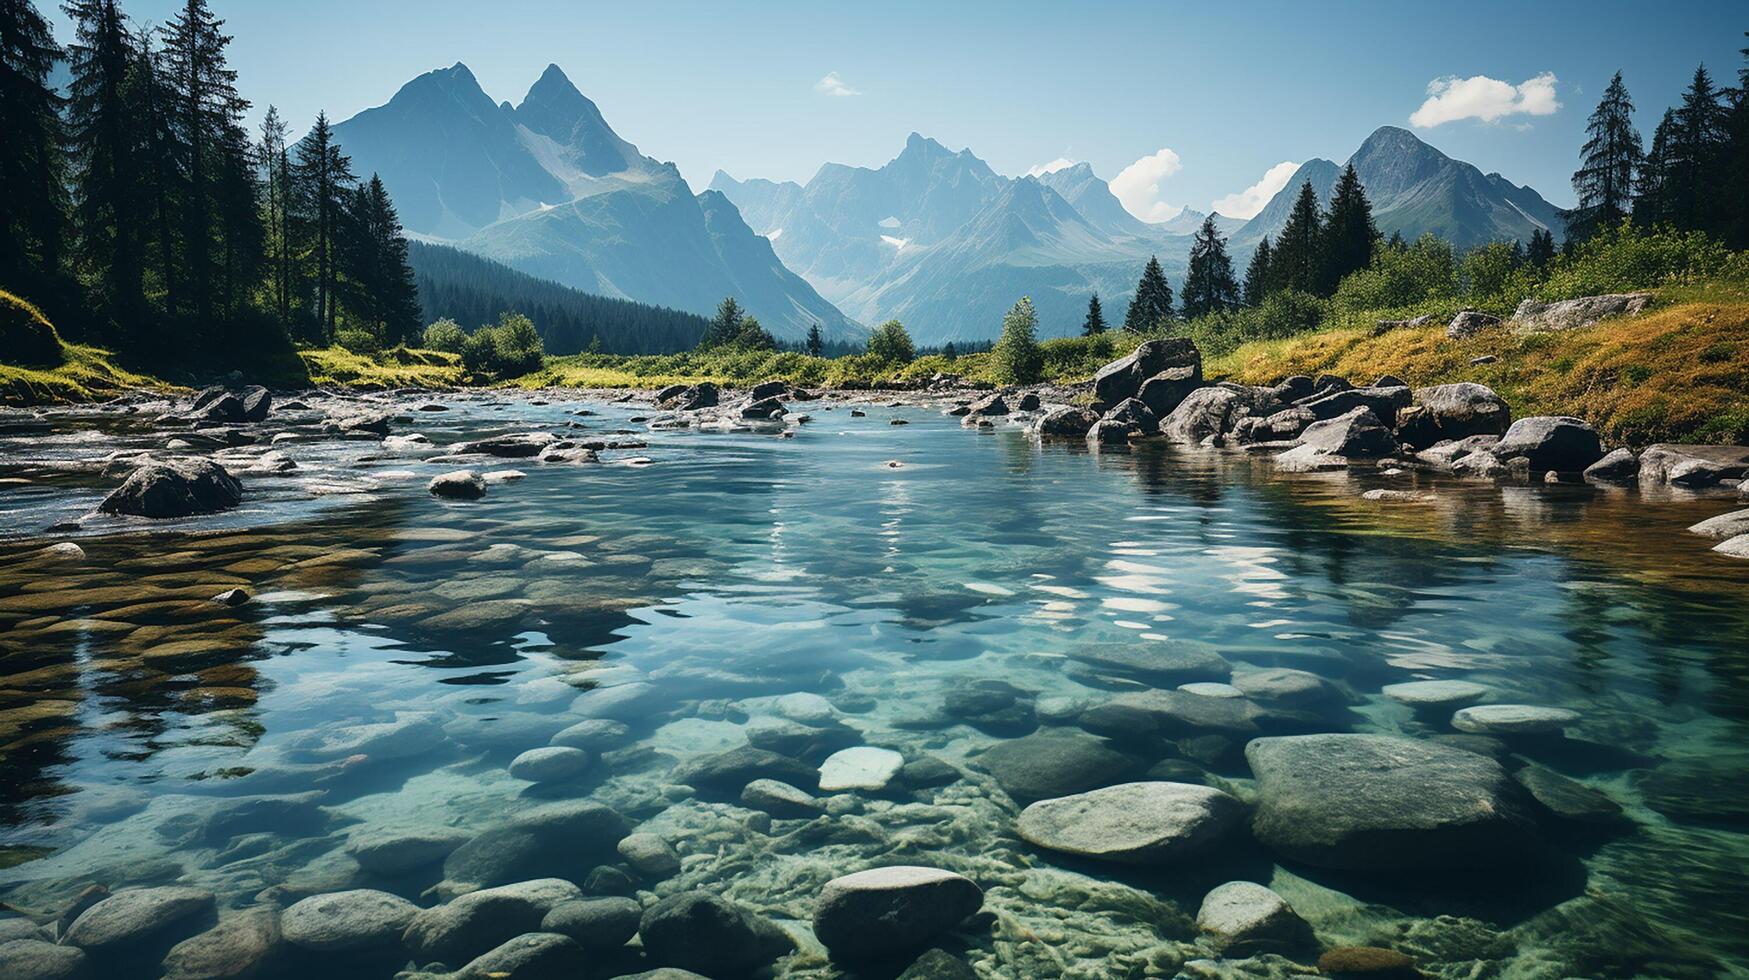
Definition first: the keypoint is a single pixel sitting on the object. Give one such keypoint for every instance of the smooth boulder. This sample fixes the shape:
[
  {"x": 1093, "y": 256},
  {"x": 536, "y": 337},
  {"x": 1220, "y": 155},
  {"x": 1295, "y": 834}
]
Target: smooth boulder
[
  {"x": 348, "y": 921},
  {"x": 709, "y": 934},
  {"x": 1242, "y": 918},
  {"x": 174, "y": 488},
  {"x": 1124, "y": 377},
  {"x": 1132, "y": 823},
  {"x": 1547, "y": 443},
  {"x": 876, "y": 913},
  {"x": 460, "y": 485},
  {"x": 136, "y": 916},
  {"x": 1453, "y": 411}
]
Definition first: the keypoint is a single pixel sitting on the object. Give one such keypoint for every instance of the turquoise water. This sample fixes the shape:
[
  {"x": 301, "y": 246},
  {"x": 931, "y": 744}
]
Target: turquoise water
[{"x": 737, "y": 568}]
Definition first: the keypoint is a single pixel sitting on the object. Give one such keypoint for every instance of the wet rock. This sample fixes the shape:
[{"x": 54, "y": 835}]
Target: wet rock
[
  {"x": 1128, "y": 419},
  {"x": 781, "y": 800},
  {"x": 389, "y": 852},
  {"x": 1243, "y": 918},
  {"x": 650, "y": 855},
  {"x": 938, "y": 964},
  {"x": 359, "y": 919},
  {"x": 232, "y": 597},
  {"x": 19, "y": 927},
  {"x": 174, "y": 488},
  {"x": 1384, "y": 803},
  {"x": 552, "y": 764},
  {"x": 1398, "y": 496},
  {"x": 1358, "y": 433},
  {"x": 460, "y": 485},
  {"x": 1693, "y": 466},
  {"x": 1453, "y": 411},
  {"x": 1124, "y": 377},
  {"x": 375, "y": 424},
  {"x": 474, "y": 923},
  {"x": 731, "y": 770},
  {"x": 412, "y": 733},
  {"x": 692, "y": 398},
  {"x": 1551, "y": 442},
  {"x": 1468, "y": 323},
  {"x": 1065, "y": 422},
  {"x": 1384, "y": 403},
  {"x": 619, "y": 702},
  {"x": 1737, "y": 547},
  {"x": 1163, "y": 392},
  {"x": 519, "y": 446},
  {"x": 876, "y": 913},
  {"x": 38, "y": 959},
  {"x": 1435, "y": 694},
  {"x": 140, "y": 916},
  {"x": 1616, "y": 466},
  {"x": 1145, "y": 713},
  {"x": 595, "y": 923},
  {"x": 571, "y": 833},
  {"x": 1570, "y": 314},
  {"x": 1512, "y": 719},
  {"x": 1567, "y": 798},
  {"x": 1723, "y": 526},
  {"x": 1051, "y": 764},
  {"x": 1284, "y": 685},
  {"x": 292, "y": 815},
  {"x": 1368, "y": 961},
  {"x": 242, "y": 945},
  {"x": 991, "y": 405},
  {"x": 257, "y": 402},
  {"x": 861, "y": 768},
  {"x": 1204, "y": 412},
  {"x": 928, "y": 771},
  {"x": 593, "y": 735},
  {"x": 1162, "y": 663},
  {"x": 768, "y": 408},
  {"x": 531, "y": 956},
  {"x": 1283, "y": 426},
  {"x": 1133, "y": 823},
  {"x": 700, "y": 931}
]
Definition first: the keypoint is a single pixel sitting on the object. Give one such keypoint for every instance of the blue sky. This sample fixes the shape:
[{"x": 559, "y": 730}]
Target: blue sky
[{"x": 1207, "y": 97}]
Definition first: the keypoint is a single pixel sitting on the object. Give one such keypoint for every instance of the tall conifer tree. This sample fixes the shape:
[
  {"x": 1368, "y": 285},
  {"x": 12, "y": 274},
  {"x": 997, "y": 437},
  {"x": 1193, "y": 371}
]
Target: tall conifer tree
[
  {"x": 1094, "y": 324},
  {"x": 1692, "y": 158},
  {"x": 1257, "y": 274},
  {"x": 33, "y": 173},
  {"x": 380, "y": 295},
  {"x": 1208, "y": 285},
  {"x": 1349, "y": 235},
  {"x": 1296, "y": 262},
  {"x": 104, "y": 138},
  {"x": 325, "y": 176},
  {"x": 1609, "y": 160},
  {"x": 1153, "y": 300}
]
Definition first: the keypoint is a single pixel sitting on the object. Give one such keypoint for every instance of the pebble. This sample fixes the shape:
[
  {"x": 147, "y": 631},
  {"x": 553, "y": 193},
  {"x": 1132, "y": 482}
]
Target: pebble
[
  {"x": 650, "y": 855},
  {"x": 780, "y": 799},
  {"x": 1243, "y": 917}
]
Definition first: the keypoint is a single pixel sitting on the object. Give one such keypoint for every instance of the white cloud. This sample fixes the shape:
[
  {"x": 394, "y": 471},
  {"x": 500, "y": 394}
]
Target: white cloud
[
  {"x": 833, "y": 85},
  {"x": 1137, "y": 186},
  {"x": 1251, "y": 200},
  {"x": 1488, "y": 99},
  {"x": 1040, "y": 169}
]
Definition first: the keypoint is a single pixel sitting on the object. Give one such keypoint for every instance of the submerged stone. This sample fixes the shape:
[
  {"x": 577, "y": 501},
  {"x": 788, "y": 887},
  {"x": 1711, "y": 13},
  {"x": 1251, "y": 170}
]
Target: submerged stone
[
  {"x": 1567, "y": 798},
  {"x": 1242, "y": 918},
  {"x": 1512, "y": 719},
  {"x": 650, "y": 855},
  {"x": 531, "y": 956},
  {"x": 780, "y": 799},
  {"x": 1047, "y": 765},
  {"x": 39, "y": 959},
  {"x": 551, "y": 764},
  {"x": 700, "y": 931},
  {"x": 138, "y": 915},
  {"x": 876, "y": 913},
  {"x": 347, "y": 921},
  {"x": 595, "y": 923},
  {"x": 474, "y": 923},
  {"x": 863, "y": 767},
  {"x": 398, "y": 852},
  {"x": 1132, "y": 823},
  {"x": 1435, "y": 694}
]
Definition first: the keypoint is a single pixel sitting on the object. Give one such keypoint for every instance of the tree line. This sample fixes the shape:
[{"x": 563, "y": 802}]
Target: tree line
[{"x": 141, "y": 213}]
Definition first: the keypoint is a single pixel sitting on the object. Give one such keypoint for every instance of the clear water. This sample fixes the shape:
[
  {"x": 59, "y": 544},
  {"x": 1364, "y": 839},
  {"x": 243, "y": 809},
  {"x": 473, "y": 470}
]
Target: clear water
[{"x": 738, "y": 568}]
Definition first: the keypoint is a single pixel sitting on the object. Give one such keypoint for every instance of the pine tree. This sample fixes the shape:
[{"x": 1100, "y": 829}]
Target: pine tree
[
  {"x": 950, "y": 352},
  {"x": 33, "y": 171},
  {"x": 1694, "y": 154},
  {"x": 1295, "y": 262},
  {"x": 162, "y": 187},
  {"x": 1349, "y": 236},
  {"x": 725, "y": 326},
  {"x": 1257, "y": 274},
  {"x": 1152, "y": 304},
  {"x": 1094, "y": 325},
  {"x": 1734, "y": 225},
  {"x": 815, "y": 343},
  {"x": 1652, "y": 189},
  {"x": 1397, "y": 242},
  {"x": 207, "y": 108},
  {"x": 1611, "y": 156},
  {"x": 104, "y": 135},
  {"x": 377, "y": 287},
  {"x": 325, "y": 176},
  {"x": 273, "y": 155},
  {"x": 1208, "y": 285},
  {"x": 1542, "y": 249},
  {"x": 1016, "y": 355}
]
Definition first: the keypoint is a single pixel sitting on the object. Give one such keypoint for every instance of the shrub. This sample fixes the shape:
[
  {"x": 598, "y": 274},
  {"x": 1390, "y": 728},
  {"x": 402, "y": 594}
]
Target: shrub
[
  {"x": 511, "y": 348},
  {"x": 1626, "y": 258},
  {"x": 26, "y": 336},
  {"x": 891, "y": 343},
  {"x": 358, "y": 341},
  {"x": 445, "y": 335},
  {"x": 1400, "y": 278},
  {"x": 1016, "y": 358}
]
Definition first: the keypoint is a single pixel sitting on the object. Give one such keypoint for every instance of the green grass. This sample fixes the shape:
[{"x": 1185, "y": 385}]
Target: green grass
[
  {"x": 400, "y": 367},
  {"x": 84, "y": 374}
]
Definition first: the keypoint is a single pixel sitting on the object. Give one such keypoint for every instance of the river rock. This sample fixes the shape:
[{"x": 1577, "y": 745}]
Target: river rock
[
  {"x": 876, "y": 913},
  {"x": 257, "y": 402},
  {"x": 471, "y": 924},
  {"x": 576, "y": 830},
  {"x": 1208, "y": 411},
  {"x": 1453, "y": 411},
  {"x": 1356, "y": 434},
  {"x": 1385, "y": 803},
  {"x": 174, "y": 488},
  {"x": 412, "y": 733},
  {"x": 1723, "y": 526},
  {"x": 1065, "y": 422},
  {"x": 800, "y": 741},
  {"x": 241, "y": 945},
  {"x": 1128, "y": 419},
  {"x": 863, "y": 767},
  {"x": 1570, "y": 314},
  {"x": 1159, "y": 662},
  {"x": 781, "y": 800},
  {"x": 806, "y": 707},
  {"x": 1384, "y": 403},
  {"x": 362, "y": 918},
  {"x": 1051, "y": 764},
  {"x": 1512, "y": 719},
  {"x": 1616, "y": 466},
  {"x": 1435, "y": 694},
  {"x": 731, "y": 770},
  {"x": 1132, "y": 823},
  {"x": 692, "y": 398},
  {"x": 551, "y": 764},
  {"x": 1124, "y": 377},
  {"x": 1692, "y": 466},
  {"x": 1164, "y": 391},
  {"x": 1551, "y": 442},
  {"x": 1737, "y": 547},
  {"x": 1567, "y": 798},
  {"x": 39, "y": 959},
  {"x": 700, "y": 931},
  {"x": 650, "y": 855},
  {"x": 459, "y": 485},
  {"x": 1243, "y": 918},
  {"x": 593, "y": 735},
  {"x": 1284, "y": 685},
  {"x": 619, "y": 702},
  {"x": 990, "y": 405},
  {"x": 595, "y": 923},
  {"x": 18, "y": 927},
  {"x": 137, "y": 916},
  {"x": 531, "y": 956},
  {"x": 390, "y": 852},
  {"x": 1135, "y": 714}
]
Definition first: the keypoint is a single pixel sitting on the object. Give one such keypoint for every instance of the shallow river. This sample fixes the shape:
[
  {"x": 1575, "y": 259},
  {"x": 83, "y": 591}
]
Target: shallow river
[{"x": 936, "y": 607}]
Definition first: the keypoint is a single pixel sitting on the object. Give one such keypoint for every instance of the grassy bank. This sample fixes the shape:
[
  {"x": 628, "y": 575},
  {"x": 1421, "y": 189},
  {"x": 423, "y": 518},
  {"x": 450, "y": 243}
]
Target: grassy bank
[
  {"x": 85, "y": 374},
  {"x": 401, "y": 367}
]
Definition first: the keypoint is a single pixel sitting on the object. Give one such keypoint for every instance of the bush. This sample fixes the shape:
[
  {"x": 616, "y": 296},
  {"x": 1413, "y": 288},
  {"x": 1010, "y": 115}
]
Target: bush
[
  {"x": 511, "y": 348},
  {"x": 26, "y": 336},
  {"x": 891, "y": 343},
  {"x": 1399, "y": 278},
  {"x": 1626, "y": 258},
  {"x": 445, "y": 335},
  {"x": 1016, "y": 358},
  {"x": 358, "y": 341}
]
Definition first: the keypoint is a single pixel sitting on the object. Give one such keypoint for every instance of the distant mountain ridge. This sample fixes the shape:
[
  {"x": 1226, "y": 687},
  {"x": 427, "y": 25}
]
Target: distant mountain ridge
[{"x": 548, "y": 188}]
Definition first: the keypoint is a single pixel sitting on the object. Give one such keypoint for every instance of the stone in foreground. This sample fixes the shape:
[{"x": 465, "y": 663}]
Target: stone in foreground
[
  {"x": 1385, "y": 803},
  {"x": 863, "y": 767},
  {"x": 1243, "y": 917},
  {"x": 137, "y": 915},
  {"x": 1132, "y": 823},
  {"x": 345, "y": 921},
  {"x": 876, "y": 913},
  {"x": 1435, "y": 694},
  {"x": 700, "y": 931},
  {"x": 460, "y": 485},
  {"x": 1512, "y": 719},
  {"x": 174, "y": 488}
]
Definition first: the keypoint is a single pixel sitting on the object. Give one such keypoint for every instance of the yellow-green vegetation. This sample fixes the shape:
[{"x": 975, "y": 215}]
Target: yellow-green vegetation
[
  {"x": 398, "y": 367},
  {"x": 1679, "y": 372},
  {"x": 37, "y": 368}
]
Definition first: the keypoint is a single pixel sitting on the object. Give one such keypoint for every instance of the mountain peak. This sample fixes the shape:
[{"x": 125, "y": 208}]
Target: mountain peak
[{"x": 919, "y": 145}]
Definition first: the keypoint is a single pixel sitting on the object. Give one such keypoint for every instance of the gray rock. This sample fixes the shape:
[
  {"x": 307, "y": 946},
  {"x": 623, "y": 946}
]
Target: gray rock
[
  {"x": 244, "y": 944},
  {"x": 19, "y": 927},
  {"x": 1144, "y": 713},
  {"x": 1357, "y": 434},
  {"x": 140, "y": 915},
  {"x": 459, "y": 485},
  {"x": 290, "y": 815},
  {"x": 1453, "y": 411},
  {"x": 1213, "y": 410},
  {"x": 531, "y": 956},
  {"x": 1435, "y": 694},
  {"x": 471, "y": 924},
  {"x": 593, "y": 735},
  {"x": 619, "y": 702},
  {"x": 38, "y": 959},
  {"x": 1570, "y": 314},
  {"x": 1064, "y": 422},
  {"x": 768, "y": 408},
  {"x": 1616, "y": 466},
  {"x": 1284, "y": 685},
  {"x": 574, "y": 831},
  {"x": 1051, "y": 764},
  {"x": 875, "y": 913},
  {"x": 800, "y": 741},
  {"x": 1692, "y": 466},
  {"x": 1551, "y": 442},
  {"x": 174, "y": 488},
  {"x": 650, "y": 855},
  {"x": 551, "y": 764},
  {"x": 1243, "y": 918},
  {"x": 691, "y": 398},
  {"x": 700, "y": 931},
  {"x": 1512, "y": 719},
  {"x": 1723, "y": 526},
  {"x": 359, "y": 919},
  {"x": 863, "y": 767},
  {"x": 390, "y": 852},
  {"x": 781, "y": 800},
  {"x": 769, "y": 388},
  {"x": 1164, "y": 391},
  {"x": 1283, "y": 426},
  {"x": 595, "y": 923},
  {"x": 1384, "y": 803},
  {"x": 1468, "y": 323},
  {"x": 1384, "y": 403},
  {"x": 1133, "y": 823},
  {"x": 737, "y": 767},
  {"x": 1737, "y": 547},
  {"x": 1566, "y": 798},
  {"x": 938, "y": 964},
  {"x": 1124, "y": 377},
  {"x": 1160, "y": 662},
  {"x": 411, "y": 734},
  {"x": 990, "y": 405},
  {"x": 1128, "y": 419},
  {"x": 519, "y": 446}
]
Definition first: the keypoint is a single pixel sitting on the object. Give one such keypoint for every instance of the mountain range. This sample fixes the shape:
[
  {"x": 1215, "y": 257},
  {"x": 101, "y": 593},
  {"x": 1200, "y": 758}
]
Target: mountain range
[{"x": 548, "y": 188}]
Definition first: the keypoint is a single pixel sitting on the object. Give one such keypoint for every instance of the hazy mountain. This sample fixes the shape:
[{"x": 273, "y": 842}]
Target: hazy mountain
[
  {"x": 1189, "y": 221},
  {"x": 548, "y": 188},
  {"x": 1081, "y": 187},
  {"x": 1415, "y": 189}
]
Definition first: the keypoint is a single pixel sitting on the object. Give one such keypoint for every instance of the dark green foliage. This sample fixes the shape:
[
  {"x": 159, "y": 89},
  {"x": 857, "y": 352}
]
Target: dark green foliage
[
  {"x": 1609, "y": 160},
  {"x": 752, "y": 336},
  {"x": 1652, "y": 189},
  {"x": 509, "y": 349},
  {"x": 1349, "y": 236},
  {"x": 33, "y": 170},
  {"x": 1695, "y": 155},
  {"x": 725, "y": 326},
  {"x": 444, "y": 335},
  {"x": 474, "y": 290},
  {"x": 815, "y": 342},
  {"x": 26, "y": 337},
  {"x": 891, "y": 343},
  {"x": 1016, "y": 357},
  {"x": 1296, "y": 261},
  {"x": 1734, "y": 172},
  {"x": 325, "y": 176},
  {"x": 1542, "y": 249},
  {"x": 1209, "y": 286},
  {"x": 1094, "y": 325},
  {"x": 1152, "y": 304},
  {"x": 111, "y": 130},
  {"x": 379, "y": 293},
  {"x": 950, "y": 352},
  {"x": 1257, "y": 274}
]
